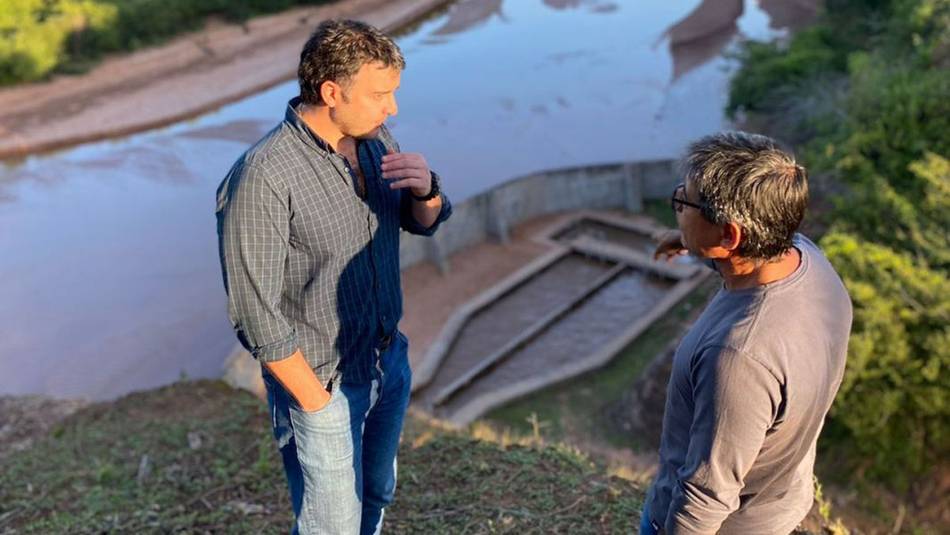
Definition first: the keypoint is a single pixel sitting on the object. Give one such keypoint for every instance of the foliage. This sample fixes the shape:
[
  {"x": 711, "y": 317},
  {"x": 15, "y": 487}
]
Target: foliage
[
  {"x": 767, "y": 66},
  {"x": 34, "y": 34},
  {"x": 886, "y": 149},
  {"x": 832, "y": 526},
  {"x": 916, "y": 30},
  {"x": 38, "y": 37},
  {"x": 893, "y": 404},
  {"x": 895, "y": 113}
]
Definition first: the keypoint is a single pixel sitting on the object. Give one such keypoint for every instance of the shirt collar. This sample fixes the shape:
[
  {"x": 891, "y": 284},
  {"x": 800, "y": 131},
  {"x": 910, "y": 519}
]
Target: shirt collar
[{"x": 293, "y": 118}]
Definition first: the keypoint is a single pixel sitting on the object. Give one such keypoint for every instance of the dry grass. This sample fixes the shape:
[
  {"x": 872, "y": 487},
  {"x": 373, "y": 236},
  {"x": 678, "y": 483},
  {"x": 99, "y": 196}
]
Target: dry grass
[{"x": 198, "y": 457}]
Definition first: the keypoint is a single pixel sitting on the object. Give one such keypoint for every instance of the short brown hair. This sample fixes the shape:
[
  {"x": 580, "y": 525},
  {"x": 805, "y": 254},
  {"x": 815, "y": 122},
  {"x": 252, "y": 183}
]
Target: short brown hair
[
  {"x": 748, "y": 180},
  {"x": 335, "y": 52}
]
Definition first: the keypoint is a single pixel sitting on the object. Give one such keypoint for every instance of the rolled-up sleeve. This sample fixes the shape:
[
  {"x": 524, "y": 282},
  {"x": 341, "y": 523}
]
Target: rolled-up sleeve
[
  {"x": 408, "y": 222},
  {"x": 253, "y": 237},
  {"x": 736, "y": 399}
]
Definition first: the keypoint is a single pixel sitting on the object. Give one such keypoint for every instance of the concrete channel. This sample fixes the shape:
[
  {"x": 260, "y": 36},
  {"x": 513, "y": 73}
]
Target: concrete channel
[{"x": 567, "y": 313}]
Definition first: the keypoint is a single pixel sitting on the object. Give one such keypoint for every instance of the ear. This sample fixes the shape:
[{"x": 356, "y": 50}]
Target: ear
[
  {"x": 731, "y": 237},
  {"x": 331, "y": 93}
]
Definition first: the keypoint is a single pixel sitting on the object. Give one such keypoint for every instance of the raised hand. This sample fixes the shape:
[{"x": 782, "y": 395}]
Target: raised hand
[
  {"x": 669, "y": 245},
  {"x": 407, "y": 170}
]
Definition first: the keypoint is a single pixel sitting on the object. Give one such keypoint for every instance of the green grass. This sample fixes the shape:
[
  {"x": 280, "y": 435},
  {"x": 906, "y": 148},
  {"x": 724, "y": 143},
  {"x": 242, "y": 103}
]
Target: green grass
[
  {"x": 581, "y": 406},
  {"x": 83, "y": 477},
  {"x": 458, "y": 484}
]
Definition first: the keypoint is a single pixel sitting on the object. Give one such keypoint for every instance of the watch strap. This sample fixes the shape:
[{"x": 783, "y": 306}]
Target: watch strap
[{"x": 435, "y": 189}]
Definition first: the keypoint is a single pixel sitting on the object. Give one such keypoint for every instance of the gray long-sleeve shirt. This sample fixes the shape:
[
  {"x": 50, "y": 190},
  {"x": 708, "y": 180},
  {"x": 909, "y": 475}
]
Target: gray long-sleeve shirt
[{"x": 751, "y": 384}]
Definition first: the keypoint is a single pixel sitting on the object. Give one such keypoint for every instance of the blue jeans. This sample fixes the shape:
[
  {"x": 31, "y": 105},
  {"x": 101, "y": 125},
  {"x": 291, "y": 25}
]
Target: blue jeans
[
  {"x": 646, "y": 525},
  {"x": 340, "y": 460}
]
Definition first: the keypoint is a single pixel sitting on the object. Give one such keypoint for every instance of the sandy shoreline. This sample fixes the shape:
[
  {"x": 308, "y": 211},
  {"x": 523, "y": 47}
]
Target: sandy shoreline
[{"x": 188, "y": 76}]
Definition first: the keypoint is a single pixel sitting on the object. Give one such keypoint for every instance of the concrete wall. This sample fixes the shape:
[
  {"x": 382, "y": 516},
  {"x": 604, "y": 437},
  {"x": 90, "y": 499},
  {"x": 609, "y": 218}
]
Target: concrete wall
[{"x": 490, "y": 214}]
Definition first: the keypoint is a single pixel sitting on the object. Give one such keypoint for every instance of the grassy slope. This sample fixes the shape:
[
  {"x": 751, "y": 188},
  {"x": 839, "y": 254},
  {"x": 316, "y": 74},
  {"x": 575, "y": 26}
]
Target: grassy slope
[{"x": 85, "y": 478}]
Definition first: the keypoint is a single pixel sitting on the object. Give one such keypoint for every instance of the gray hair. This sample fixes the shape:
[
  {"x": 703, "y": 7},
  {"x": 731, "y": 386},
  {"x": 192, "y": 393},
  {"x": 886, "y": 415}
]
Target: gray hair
[
  {"x": 335, "y": 52},
  {"x": 748, "y": 180}
]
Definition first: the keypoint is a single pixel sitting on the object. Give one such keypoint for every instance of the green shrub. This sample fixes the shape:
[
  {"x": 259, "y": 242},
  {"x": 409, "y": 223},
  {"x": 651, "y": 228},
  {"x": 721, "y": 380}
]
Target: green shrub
[
  {"x": 892, "y": 159},
  {"x": 918, "y": 31},
  {"x": 895, "y": 114},
  {"x": 891, "y": 244},
  {"x": 767, "y": 67},
  {"x": 34, "y": 34},
  {"x": 38, "y": 37},
  {"x": 893, "y": 402}
]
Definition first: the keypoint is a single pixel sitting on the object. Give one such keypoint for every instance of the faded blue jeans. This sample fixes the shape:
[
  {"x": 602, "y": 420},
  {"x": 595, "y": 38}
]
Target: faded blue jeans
[
  {"x": 341, "y": 460},
  {"x": 647, "y": 526}
]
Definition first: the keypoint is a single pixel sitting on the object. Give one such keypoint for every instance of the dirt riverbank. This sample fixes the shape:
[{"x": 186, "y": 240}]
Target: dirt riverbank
[{"x": 185, "y": 77}]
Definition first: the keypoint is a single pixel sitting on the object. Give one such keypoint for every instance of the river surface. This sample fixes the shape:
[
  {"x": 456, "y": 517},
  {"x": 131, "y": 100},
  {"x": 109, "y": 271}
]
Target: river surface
[{"x": 109, "y": 275}]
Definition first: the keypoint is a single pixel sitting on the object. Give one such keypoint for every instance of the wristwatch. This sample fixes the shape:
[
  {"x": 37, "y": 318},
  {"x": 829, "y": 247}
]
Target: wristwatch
[{"x": 435, "y": 189}]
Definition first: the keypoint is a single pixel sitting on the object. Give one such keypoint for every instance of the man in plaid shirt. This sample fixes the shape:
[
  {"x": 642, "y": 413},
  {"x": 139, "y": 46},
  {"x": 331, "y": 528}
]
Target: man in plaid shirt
[{"x": 308, "y": 225}]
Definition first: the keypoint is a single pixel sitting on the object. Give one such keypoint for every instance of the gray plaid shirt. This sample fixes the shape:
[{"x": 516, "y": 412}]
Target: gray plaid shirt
[{"x": 307, "y": 262}]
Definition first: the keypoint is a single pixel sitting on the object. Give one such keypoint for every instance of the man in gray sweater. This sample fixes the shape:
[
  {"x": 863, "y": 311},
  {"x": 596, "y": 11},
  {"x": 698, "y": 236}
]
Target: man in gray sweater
[{"x": 755, "y": 376}]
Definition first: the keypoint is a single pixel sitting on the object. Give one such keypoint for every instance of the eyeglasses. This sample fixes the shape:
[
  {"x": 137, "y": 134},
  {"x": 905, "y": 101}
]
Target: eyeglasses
[{"x": 677, "y": 203}]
